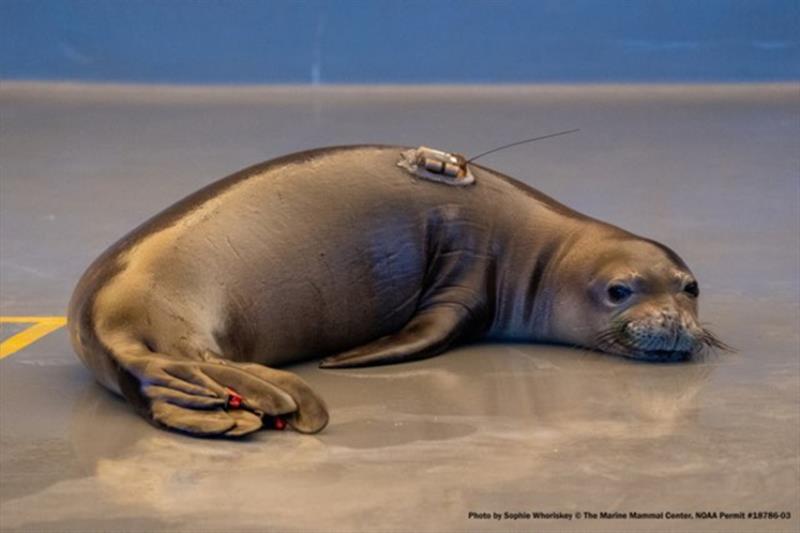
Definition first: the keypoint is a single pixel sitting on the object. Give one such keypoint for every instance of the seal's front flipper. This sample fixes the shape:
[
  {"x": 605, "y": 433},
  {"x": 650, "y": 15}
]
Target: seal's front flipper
[{"x": 428, "y": 333}]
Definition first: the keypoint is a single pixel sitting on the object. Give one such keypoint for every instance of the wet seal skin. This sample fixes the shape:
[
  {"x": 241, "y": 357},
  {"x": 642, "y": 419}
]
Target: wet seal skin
[{"x": 342, "y": 253}]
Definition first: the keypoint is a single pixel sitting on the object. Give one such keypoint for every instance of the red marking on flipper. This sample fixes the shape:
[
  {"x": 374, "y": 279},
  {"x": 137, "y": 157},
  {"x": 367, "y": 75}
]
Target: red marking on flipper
[{"x": 234, "y": 400}]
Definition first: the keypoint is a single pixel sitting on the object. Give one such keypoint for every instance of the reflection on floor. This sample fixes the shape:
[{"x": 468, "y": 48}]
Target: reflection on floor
[{"x": 711, "y": 171}]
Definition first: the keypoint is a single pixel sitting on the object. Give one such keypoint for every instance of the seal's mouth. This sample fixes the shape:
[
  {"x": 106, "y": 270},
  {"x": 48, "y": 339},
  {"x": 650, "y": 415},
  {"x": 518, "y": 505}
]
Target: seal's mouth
[
  {"x": 683, "y": 347},
  {"x": 619, "y": 347},
  {"x": 663, "y": 356}
]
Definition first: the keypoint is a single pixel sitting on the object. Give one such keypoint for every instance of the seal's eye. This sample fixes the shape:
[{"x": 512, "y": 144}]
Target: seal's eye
[
  {"x": 692, "y": 289},
  {"x": 619, "y": 293}
]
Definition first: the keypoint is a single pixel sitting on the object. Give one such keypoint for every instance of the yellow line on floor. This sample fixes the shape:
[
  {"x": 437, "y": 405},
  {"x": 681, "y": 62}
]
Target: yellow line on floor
[{"x": 41, "y": 326}]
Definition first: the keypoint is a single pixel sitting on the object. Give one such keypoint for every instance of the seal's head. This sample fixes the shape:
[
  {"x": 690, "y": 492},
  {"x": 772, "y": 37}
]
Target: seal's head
[{"x": 629, "y": 296}]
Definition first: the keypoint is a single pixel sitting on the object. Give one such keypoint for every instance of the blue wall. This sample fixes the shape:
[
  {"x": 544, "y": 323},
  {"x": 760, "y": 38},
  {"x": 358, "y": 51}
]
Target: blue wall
[{"x": 352, "y": 41}]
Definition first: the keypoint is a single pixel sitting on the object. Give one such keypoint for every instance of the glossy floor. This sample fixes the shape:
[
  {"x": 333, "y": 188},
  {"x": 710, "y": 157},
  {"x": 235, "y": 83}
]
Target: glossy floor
[{"x": 711, "y": 171}]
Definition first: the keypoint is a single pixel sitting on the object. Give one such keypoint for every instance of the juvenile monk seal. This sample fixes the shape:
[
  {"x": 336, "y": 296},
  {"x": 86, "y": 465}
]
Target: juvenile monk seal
[{"x": 349, "y": 251}]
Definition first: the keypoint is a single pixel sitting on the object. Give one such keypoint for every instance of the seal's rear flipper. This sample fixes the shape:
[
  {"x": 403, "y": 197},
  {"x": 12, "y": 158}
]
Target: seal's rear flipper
[
  {"x": 215, "y": 396},
  {"x": 194, "y": 421},
  {"x": 428, "y": 333}
]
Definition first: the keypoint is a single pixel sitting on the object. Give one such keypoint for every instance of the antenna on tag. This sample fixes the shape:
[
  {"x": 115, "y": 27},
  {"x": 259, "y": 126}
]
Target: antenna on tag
[
  {"x": 549, "y": 136},
  {"x": 450, "y": 168}
]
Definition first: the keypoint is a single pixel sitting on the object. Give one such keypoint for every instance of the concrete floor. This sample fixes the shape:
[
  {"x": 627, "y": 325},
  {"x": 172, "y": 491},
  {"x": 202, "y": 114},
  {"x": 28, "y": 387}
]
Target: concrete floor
[{"x": 711, "y": 171}]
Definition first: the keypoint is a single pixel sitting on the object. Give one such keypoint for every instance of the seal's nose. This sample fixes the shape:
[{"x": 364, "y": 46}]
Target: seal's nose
[
  {"x": 669, "y": 314},
  {"x": 664, "y": 329}
]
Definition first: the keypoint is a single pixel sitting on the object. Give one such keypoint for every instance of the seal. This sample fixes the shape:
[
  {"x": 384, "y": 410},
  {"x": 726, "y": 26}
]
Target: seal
[{"x": 357, "y": 254}]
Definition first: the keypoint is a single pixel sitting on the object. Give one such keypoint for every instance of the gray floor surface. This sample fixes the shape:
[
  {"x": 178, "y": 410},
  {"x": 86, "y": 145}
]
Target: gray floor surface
[{"x": 712, "y": 171}]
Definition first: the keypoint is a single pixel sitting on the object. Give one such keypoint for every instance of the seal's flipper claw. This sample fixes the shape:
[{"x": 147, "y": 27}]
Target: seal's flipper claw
[
  {"x": 194, "y": 421},
  {"x": 427, "y": 334}
]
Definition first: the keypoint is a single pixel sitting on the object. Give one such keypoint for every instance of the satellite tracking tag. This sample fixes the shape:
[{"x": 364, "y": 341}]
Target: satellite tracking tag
[{"x": 435, "y": 165}]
